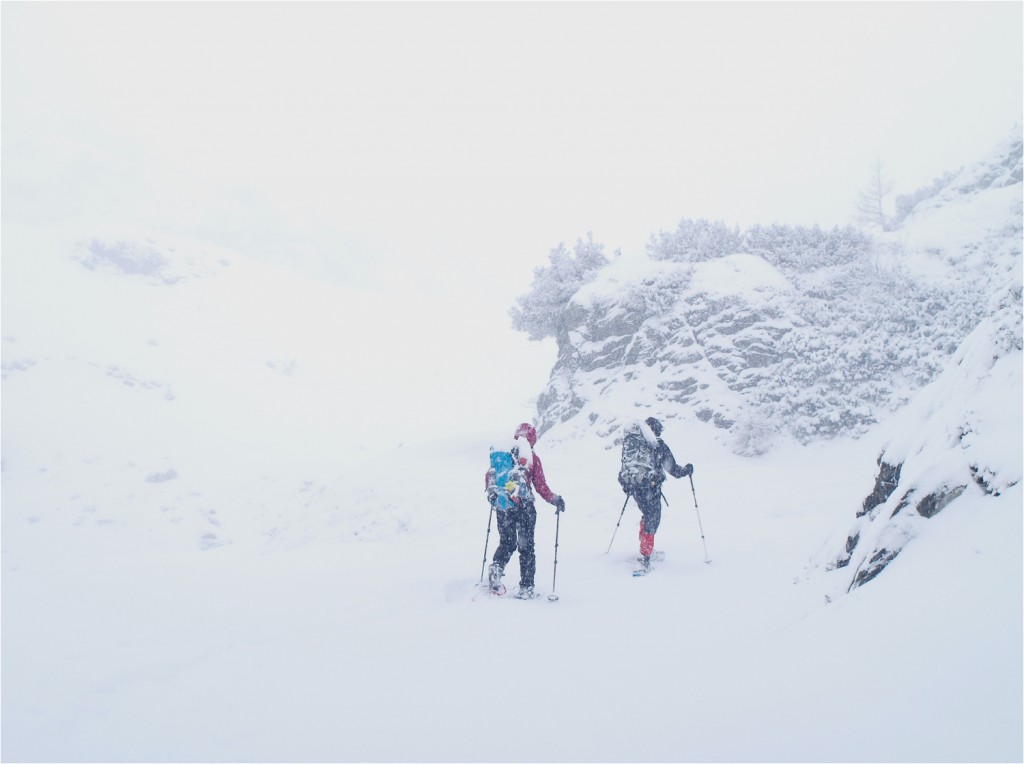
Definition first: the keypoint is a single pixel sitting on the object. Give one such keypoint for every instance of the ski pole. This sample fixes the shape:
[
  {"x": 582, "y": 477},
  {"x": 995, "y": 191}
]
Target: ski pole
[
  {"x": 699, "y": 524},
  {"x": 486, "y": 542},
  {"x": 618, "y": 523},
  {"x": 554, "y": 575}
]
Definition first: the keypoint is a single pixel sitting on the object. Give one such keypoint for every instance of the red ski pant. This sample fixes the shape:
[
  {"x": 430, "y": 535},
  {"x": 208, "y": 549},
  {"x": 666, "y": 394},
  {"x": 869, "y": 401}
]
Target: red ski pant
[{"x": 646, "y": 541}]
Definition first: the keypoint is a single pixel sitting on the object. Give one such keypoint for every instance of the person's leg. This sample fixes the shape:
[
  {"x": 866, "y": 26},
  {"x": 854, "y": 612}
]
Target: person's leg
[
  {"x": 646, "y": 541},
  {"x": 649, "y": 502},
  {"x": 506, "y": 545},
  {"x": 526, "y": 525}
]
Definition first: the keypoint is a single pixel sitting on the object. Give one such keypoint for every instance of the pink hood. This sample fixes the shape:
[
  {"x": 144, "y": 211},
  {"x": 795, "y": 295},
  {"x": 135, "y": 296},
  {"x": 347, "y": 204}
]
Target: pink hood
[{"x": 527, "y": 429}]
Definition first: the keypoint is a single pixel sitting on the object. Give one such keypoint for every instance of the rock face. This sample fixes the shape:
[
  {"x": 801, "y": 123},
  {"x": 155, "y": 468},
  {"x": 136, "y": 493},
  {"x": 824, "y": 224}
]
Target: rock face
[
  {"x": 659, "y": 335},
  {"x": 802, "y": 332},
  {"x": 960, "y": 433}
]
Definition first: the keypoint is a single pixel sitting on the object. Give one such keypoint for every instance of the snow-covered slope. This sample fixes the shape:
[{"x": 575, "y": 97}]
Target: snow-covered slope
[
  {"x": 191, "y": 573},
  {"x": 803, "y": 332},
  {"x": 359, "y": 616},
  {"x": 161, "y": 386},
  {"x": 960, "y": 435},
  {"x": 237, "y": 525},
  {"x": 183, "y": 390}
]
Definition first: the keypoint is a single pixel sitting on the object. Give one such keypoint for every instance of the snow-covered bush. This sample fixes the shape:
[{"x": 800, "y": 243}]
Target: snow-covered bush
[
  {"x": 754, "y": 436},
  {"x": 906, "y": 203},
  {"x": 796, "y": 248},
  {"x": 695, "y": 241}
]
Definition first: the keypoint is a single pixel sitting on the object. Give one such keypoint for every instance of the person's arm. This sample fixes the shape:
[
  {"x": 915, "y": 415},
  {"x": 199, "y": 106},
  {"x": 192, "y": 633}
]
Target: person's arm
[
  {"x": 668, "y": 462},
  {"x": 490, "y": 487},
  {"x": 541, "y": 484}
]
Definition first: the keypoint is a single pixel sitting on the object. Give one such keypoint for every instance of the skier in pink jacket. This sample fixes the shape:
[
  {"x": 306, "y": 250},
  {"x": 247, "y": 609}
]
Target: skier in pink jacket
[{"x": 516, "y": 525}]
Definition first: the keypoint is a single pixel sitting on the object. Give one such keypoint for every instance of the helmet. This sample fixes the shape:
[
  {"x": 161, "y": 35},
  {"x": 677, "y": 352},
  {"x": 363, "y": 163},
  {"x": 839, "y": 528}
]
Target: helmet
[{"x": 655, "y": 425}]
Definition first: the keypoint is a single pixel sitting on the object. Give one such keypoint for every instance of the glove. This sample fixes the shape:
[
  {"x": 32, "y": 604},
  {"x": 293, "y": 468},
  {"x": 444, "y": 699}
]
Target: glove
[
  {"x": 625, "y": 487},
  {"x": 559, "y": 504},
  {"x": 687, "y": 470},
  {"x": 492, "y": 495}
]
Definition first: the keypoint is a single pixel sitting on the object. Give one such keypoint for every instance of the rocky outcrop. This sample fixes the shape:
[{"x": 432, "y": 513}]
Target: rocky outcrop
[
  {"x": 656, "y": 336},
  {"x": 886, "y": 482},
  {"x": 809, "y": 333}
]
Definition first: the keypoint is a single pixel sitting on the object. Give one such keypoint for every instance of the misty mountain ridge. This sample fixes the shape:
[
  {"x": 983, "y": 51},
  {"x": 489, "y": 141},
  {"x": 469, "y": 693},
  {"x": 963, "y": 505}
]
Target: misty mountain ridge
[{"x": 779, "y": 331}]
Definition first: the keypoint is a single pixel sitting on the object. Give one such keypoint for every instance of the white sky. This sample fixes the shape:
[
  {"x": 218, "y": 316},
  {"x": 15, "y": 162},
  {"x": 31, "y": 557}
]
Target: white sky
[{"x": 451, "y": 146}]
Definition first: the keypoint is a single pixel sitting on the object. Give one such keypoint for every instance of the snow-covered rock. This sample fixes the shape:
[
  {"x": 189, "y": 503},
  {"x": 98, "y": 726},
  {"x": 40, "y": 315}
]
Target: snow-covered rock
[
  {"x": 961, "y": 433},
  {"x": 807, "y": 333}
]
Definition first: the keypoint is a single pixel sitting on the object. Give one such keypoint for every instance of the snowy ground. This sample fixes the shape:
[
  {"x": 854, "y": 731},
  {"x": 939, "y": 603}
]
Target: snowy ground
[
  {"x": 317, "y": 645},
  {"x": 238, "y": 528}
]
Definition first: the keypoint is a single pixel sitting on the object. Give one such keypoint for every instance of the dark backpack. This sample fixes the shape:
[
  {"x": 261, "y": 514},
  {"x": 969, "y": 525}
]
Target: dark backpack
[{"x": 639, "y": 458}]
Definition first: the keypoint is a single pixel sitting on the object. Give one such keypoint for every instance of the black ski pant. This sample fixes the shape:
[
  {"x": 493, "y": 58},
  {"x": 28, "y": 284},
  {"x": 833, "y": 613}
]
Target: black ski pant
[
  {"x": 648, "y": 498},
  {"x": 516, "y": 527}
]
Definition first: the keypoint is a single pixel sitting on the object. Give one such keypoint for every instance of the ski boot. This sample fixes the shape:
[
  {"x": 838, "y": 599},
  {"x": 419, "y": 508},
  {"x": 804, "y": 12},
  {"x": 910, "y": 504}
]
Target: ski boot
[
  {"x": 645, "y": 566},
  {"x": 494, "y": 574}
]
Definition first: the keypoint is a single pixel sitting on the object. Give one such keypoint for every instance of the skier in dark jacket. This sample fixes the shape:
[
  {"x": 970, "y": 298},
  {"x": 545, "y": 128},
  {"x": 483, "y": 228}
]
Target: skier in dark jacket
[
  {"x": 517, "y": 523},
  {"x": 645, "y": 487}
]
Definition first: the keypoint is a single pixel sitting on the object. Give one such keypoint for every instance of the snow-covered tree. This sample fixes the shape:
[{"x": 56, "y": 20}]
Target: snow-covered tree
[
  {"x": 871, "y": 202},
  {"x": 541, "y": 311}
]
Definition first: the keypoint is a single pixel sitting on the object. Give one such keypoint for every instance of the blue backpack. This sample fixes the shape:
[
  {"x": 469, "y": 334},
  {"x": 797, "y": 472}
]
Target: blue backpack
[{"x": 508, "y": 478}]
